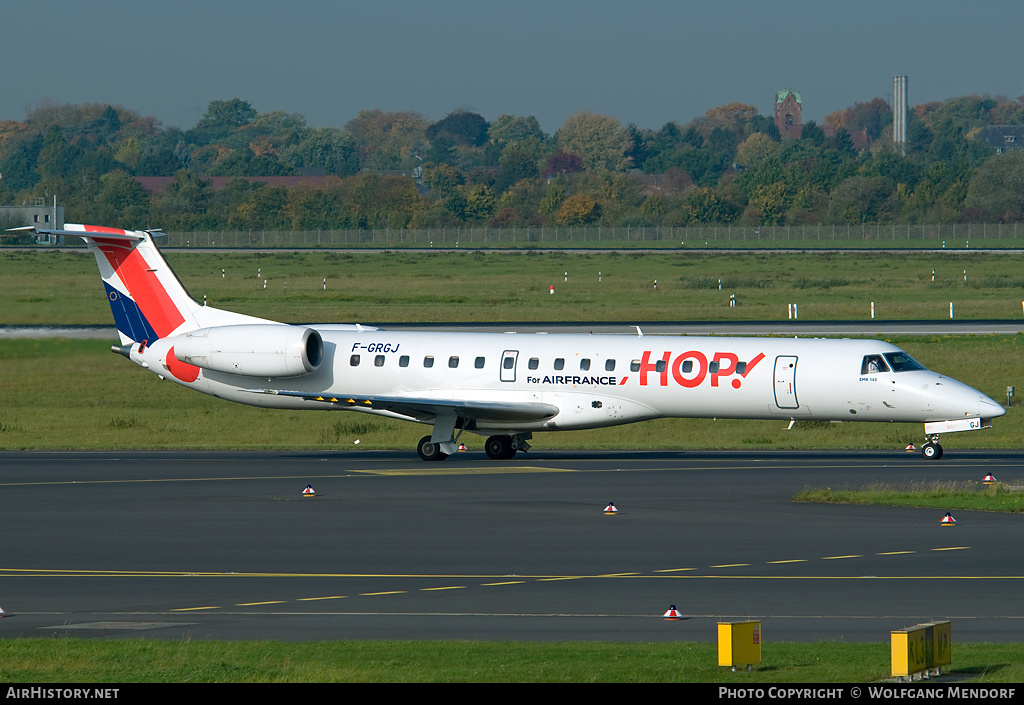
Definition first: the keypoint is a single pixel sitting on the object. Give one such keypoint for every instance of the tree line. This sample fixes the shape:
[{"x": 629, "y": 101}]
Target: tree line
[{"x": 400, "y": 170}]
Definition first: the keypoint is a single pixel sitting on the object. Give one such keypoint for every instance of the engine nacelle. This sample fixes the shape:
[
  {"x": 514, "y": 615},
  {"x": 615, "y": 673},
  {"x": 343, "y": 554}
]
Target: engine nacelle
[{"x": 254, "y": 350}]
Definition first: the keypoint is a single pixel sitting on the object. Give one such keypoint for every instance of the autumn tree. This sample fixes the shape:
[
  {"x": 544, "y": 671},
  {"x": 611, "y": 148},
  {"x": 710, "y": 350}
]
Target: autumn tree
[
  {"x": 598, "y": 140},
  {"x": 562, "y": 163},
  {"x": 480, "y": 203},
  {"x": 512, "y": 129},
  {"x": 578, "y": 209},
  {"x": 461, "y": 127},
  {"x": 732, "y": 117},
  {"x": 388, "y": 140},
  {"x": 516, "y": 165},
  {"x": 183, "y": 203},
  {"x": 221, "y": 118},
  {"x": 121, "y": 202},
  {"x": 329, "y": 148},
  {"x": 996, "y": 191}
]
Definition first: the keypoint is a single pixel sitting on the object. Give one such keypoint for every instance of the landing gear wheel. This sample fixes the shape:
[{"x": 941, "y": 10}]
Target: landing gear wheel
[
  {"x": 499, "y": 448},
  {"x": 931, "y": 451},
  {"x": 429, "y": 451}
]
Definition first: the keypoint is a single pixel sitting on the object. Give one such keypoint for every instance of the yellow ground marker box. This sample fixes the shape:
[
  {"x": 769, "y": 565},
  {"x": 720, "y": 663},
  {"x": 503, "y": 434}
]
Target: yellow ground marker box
[
  {"x": 920, "y": 648},
  {"x": 739, "y": 643}
]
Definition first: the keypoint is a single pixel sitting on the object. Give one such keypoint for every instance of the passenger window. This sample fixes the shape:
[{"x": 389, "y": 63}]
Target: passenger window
[
  {"x": 378, "y": 361},
  {"x": 403, "y": 361},
  {"x": 479, "y": 363},
  {"x": 354, "y": 361},
  {"x": 660, "y": 366},
  {"x": 634, "y": 366},
  {"x": 428, "y": 361},
  {"x": 534, "y": 363},
  {"x": 453, "y": 361},
  {"x": 508, "y": 363},
  {"x": 559, "y": 363},
  {"x": 585, "y": 364},
  {"x": 873, "y": 364},
  {"x": 687, "y": 366},
  {"x": 609, "y": 365},
  {"x": 741, "y": 368}
]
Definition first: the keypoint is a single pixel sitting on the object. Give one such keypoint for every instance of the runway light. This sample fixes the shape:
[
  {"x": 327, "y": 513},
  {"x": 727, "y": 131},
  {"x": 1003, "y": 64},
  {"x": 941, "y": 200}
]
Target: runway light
[
  {"x": 610, "y": 509},
  {"x": 672, "y": 614},
  {"x": 308, "y": 492},
  {"x": 948, "y": 520}
]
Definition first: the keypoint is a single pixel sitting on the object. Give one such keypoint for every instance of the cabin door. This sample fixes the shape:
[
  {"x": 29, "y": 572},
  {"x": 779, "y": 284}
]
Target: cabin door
[
  {"x": 785, "y": 382},
  {"x": 508, "y": 365}
]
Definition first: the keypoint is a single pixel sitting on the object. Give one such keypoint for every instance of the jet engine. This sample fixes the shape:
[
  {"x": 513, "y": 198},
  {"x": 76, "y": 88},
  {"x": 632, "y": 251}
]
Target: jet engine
[{"x": 253, "y": 350}]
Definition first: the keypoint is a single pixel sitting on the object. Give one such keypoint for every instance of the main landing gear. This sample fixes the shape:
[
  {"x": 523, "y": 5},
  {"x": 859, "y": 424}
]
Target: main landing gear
[
  {"x": 506, "y": 447},
  {"x": 932, "y": 449},
  {"x": 500, "y": 448},
  {"x": 430, "y": 451},
  {"x": 496, "y": 447}
]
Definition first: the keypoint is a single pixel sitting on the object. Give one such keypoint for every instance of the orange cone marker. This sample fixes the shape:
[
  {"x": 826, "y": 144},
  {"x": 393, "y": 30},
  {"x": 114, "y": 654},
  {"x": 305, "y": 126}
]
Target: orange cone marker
[
  {"x": 989, "y": 480},
  {"x": 948, "y": 520},
  {"x": 462, "y": 447},
  {"x": 308, "y": 492},
  {"x": 910, "y": 448},
  {"x": 610, "y": 509},
  {"x": 673, "y": 613}
]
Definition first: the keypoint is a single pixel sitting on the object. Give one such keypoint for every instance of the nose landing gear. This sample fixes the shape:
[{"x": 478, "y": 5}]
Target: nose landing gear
[{"x": 932, "y": 449}]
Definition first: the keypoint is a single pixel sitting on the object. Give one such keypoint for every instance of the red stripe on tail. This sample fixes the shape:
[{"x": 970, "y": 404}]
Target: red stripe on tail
[{"x": 143, "y": 285}]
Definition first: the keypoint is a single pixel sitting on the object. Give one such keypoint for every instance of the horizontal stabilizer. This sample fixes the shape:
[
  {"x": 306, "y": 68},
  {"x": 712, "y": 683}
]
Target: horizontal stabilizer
[{"x": 80, "y": 233}]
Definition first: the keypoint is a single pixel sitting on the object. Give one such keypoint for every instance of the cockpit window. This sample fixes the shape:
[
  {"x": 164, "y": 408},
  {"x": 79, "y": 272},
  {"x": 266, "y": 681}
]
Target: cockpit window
[
  {"x": 901, "y": 362},
  {"x": 873, "y": 364}
]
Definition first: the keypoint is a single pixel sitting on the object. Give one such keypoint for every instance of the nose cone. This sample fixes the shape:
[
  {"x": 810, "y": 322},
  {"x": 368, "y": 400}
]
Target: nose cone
[
  {"x": 963, "y": 401},
  {"x": 989, "y": 409}
]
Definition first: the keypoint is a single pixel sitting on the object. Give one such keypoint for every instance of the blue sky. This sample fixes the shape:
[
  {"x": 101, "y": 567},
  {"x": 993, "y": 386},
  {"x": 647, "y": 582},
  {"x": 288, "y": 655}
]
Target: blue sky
[{"x": 643, "y": 61}]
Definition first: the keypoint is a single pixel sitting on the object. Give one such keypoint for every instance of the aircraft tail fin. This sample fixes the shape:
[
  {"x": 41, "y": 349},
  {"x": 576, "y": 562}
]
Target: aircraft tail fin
[{"x": 145, "y": 296}]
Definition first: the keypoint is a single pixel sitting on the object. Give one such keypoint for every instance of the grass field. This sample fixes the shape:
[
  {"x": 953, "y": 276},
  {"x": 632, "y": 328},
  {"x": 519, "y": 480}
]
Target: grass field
[
  {"x": 147, "y": 661},
  {"x": 970, "y": 496},
  {"x": 50, "y": 287}
]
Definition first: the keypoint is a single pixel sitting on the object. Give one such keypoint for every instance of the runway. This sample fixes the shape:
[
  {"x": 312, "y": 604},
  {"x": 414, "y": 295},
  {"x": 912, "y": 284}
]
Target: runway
[{"x": 217, "y": 545}]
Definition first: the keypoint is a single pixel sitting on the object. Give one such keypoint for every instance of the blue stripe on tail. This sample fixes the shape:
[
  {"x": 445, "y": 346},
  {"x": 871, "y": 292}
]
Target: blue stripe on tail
[{"x": 128, "y": 317}]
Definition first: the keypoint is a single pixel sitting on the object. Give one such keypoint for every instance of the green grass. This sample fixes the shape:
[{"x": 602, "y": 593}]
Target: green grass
[
  {"x": 75, "y": 394},
  {"x": 969, "y": 496},
  {"x": 144, "y": 661},
  {"x": 48, "y": 287}
]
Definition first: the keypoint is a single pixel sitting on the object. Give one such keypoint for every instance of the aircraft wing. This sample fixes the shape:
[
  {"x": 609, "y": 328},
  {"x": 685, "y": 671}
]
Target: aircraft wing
[{"x": 422, "y": 408}]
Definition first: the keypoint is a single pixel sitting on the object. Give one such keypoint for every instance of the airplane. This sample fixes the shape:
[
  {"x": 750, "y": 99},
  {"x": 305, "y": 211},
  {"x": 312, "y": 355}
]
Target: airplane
[{"x": 505, "y": 387}]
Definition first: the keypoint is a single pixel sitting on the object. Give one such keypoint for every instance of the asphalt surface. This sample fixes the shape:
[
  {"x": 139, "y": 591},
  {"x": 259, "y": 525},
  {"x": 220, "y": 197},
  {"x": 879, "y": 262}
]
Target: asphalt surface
[{"x": 224, "y": 546}]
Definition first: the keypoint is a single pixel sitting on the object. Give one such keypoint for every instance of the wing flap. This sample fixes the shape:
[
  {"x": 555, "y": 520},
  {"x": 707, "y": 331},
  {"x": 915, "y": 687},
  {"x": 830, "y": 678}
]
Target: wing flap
[{"x": 425, "y": 408}]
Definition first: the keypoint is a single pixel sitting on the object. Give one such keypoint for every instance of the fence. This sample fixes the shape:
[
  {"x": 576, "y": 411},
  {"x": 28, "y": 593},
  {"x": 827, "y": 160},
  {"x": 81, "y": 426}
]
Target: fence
[{"x": 956, "y": 235}]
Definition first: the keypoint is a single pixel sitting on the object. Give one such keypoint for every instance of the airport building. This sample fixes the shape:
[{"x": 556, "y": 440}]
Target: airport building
[{"x": 38, "y": 214}]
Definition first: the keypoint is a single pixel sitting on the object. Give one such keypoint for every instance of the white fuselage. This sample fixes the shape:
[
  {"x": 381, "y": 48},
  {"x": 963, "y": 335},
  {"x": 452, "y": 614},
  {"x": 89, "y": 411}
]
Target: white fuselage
[{"x": 604, "y": 380}]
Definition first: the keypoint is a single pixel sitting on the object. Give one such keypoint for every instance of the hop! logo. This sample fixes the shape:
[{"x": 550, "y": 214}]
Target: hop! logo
[{"x": 691, "y": 368}]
